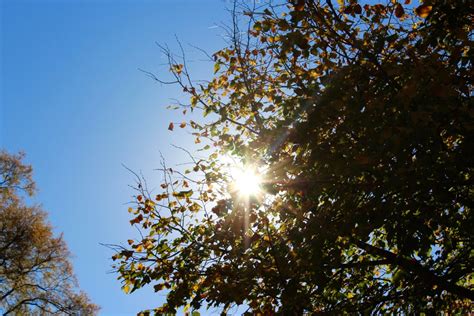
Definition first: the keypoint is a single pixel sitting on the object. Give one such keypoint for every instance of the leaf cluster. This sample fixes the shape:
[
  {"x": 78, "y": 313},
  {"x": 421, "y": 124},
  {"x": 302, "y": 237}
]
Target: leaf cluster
[{"x": 361, "y": 116}]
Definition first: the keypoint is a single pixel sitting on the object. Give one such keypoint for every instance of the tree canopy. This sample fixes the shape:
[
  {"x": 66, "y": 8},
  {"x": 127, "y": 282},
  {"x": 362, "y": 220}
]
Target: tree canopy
[
  {"x": 36, "y": 276},
  {"x": 357, "y": 117}
]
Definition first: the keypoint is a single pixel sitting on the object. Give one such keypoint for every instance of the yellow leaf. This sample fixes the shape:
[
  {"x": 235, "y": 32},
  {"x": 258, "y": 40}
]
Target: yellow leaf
[
  {"x": 186, "y": 308},
  {"x": 194, "y": 100},
  {"x": 217, "y": 66},
  {"x": 177, "y": 68},
  {"x": 126, "y": 289}
]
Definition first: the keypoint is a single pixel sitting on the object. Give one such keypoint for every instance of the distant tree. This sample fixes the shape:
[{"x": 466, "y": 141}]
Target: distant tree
[
  {"x": 359, "y": 120},
  {"x": 36, "y": 276}
]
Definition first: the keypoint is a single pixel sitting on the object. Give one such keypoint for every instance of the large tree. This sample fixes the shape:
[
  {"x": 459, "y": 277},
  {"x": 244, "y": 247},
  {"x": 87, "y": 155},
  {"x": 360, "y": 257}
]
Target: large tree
[
  {"x": 36, "y": 276},
  {"x": 357, "y": 118}
]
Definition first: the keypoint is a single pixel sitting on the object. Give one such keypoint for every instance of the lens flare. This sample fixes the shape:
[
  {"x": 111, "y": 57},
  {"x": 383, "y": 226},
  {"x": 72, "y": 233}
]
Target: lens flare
[{"x": 246, "y": 181}]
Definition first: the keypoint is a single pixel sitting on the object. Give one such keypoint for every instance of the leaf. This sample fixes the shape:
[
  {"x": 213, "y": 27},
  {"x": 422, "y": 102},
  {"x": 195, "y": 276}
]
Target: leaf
[
  {"x": 299, "y": 5},
  {"x": 137, "y": 219},
  {"x": 399, "y": 11},
  {"x": 357, "y": 9},
  {"x": 186, "y": 308},
  {"x": 178, "y": 68},
  {"x": 194, "y": 207},
  {"x": 126, "y": 289},
  {"x": 159, "y": 287},
  {"x": 194, "y": 101},
  {"x": 183, "y": 194},
  {"x": 217, "y": 66},
  {"x": 423, "y": 11},
  {"x": 171, "y": 126},
  {"x": 182, "y": 125}
]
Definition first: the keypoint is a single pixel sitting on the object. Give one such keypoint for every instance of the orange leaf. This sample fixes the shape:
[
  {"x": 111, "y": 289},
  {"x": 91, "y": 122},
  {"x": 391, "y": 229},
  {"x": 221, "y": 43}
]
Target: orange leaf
[
  {"x": 137, "y": 219},
  {"x": 423, "y": 11},
  {"x": 182, "y": 125},
  {"x": 171, "y": 126}
]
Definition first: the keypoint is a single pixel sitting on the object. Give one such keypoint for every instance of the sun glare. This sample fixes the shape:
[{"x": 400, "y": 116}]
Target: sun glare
[{"x": 247, "y": 181}]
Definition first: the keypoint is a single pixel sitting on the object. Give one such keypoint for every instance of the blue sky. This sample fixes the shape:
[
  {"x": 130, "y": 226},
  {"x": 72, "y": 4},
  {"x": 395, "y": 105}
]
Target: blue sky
[{"x": 73, "y": 99}]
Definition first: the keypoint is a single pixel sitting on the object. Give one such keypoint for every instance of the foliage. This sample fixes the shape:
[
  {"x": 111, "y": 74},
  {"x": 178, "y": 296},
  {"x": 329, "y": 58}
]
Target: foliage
[
  {"x": 35, "y": 273},
  {"x": 359, "y": 119}
]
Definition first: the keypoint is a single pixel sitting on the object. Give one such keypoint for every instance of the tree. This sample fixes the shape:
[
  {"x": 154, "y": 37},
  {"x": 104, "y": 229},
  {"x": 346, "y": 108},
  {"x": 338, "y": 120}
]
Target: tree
[
  {"x": 36, "y": 276},
  {"x": 358, "y": 118}
]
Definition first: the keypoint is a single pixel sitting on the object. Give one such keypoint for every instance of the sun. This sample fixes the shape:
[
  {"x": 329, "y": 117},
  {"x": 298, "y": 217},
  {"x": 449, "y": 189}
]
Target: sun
[{"x": 246, "y": 181}]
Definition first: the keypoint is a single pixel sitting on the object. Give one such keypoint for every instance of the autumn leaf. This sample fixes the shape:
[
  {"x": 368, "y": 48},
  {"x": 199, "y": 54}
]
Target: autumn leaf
[
  {"x": 399, "y": 11},
  {"x": 158, "y": 287},
  {"x": 423, "y": 11},
  {"x": 217, "y": 67},
  {"x": 178, "y": 68},
  {"x": 137, "y": 219},
  {"x": 356, "y": 141},
  {"x": 126, "y": 289},
  {"x": 357, "y": 9},
  {"x": 171, "y": 126},
  {"x": 299, "y": 5}
]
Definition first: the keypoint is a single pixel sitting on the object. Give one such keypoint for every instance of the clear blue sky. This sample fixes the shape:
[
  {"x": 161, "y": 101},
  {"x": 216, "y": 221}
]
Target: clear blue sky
[{"x": 73, "y": 100}]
